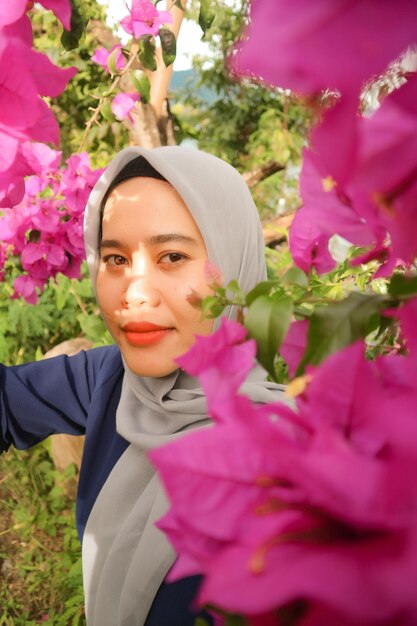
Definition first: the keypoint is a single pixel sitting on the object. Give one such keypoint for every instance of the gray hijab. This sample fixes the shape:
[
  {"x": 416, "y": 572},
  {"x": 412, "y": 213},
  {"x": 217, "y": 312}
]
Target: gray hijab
[{"x": 125, "y": 557}]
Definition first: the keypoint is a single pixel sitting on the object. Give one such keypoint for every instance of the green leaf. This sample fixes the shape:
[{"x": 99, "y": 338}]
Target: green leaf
[
  {"x": 142, "y": 85},
  {"x": 61, "y": 296},
  {"x": 111, "y": 61},
  {"x": 70, "y": 39},
  {"x": 206, "y": 15},
  {"x": 106, "y": 110},
  {"x": 339, "y": 324},
  {"x": 92, "y": 327},
  {"x": 295, "y": 276},
  {"x": 402, "y": 285},
  {"x": 261, "y": 289},
  {"x": 211, "y": 307},
  {"x": 147, "y": 52},
  {"x": 168, "y": 45},
  {"x": 267, "y": 321}
]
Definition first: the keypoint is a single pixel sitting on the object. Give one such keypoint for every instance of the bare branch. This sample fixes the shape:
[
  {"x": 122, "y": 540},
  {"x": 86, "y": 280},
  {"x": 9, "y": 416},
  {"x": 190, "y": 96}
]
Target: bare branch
[{"x": 258, "y": 174}]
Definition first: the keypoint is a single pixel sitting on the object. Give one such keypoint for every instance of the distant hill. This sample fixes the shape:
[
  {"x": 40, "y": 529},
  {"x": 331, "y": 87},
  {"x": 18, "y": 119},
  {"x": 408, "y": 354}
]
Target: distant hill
[{"x": 189, "y": 78}]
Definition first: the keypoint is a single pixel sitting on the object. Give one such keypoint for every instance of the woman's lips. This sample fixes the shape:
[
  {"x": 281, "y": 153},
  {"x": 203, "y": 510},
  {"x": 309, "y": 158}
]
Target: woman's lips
[{"x": 145, "y": 333}]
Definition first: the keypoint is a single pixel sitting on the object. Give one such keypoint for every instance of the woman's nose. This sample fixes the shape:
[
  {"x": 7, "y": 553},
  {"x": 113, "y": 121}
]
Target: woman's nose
[{"x": 141, "y": 288}]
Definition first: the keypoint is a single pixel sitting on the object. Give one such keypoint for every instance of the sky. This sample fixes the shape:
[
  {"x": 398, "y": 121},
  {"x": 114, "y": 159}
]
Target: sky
[{"x": 189, "y": 40}]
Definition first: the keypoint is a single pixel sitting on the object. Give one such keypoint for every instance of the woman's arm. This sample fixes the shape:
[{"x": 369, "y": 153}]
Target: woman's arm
[{"x": 46, "y": 397}]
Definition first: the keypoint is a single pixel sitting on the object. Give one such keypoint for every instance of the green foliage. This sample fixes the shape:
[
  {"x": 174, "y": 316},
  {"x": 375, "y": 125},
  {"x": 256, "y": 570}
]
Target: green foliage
[
  {"x": 342, "y": 307},
  {"x": 337, "y": 325},
  {"x": 40, "y": 554},
  {"x": 206, "y": 15},
  {"x": 65, "y": 310},
  {"x": 245, "y": 123},
  {"x": 147, "y": 52},
  {"x": 142, "y": 85},
  {"x": 168, "y": 45},
  {"x": 267, "y": 321},
  {"x": 71, "y": 39}
]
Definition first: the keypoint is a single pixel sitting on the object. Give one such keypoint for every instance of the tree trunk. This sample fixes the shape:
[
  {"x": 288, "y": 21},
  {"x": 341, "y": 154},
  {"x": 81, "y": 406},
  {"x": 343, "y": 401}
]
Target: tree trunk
[{"x": 67, "y": 449}]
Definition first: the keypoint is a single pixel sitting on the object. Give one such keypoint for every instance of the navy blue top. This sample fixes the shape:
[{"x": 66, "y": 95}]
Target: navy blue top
[{"x": 78, "y": 395}]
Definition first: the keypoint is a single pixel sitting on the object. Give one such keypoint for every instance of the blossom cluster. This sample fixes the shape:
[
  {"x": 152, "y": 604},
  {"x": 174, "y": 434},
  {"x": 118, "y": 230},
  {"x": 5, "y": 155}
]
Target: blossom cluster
[
  {"x": 303, "y": 514},
  {"x": 359, "y": 176},
  {"x": 46, "y": 228},
  {"x": 26, "y": 76}
]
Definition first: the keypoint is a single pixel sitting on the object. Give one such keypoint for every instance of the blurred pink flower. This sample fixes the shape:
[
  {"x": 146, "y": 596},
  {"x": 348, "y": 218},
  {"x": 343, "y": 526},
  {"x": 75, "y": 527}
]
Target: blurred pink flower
[
  {"x": 61, "y": 8},
  {"x": 222, "y": 362},
  {"x": 212, "y": 274},
  {"x": 101, "y": 56},
  {"x": 123, "y": 103},
  {"x": 145, "y": 19},
  {"x": 25, "y": 76},
  {"x": 13, "y": 11},
  {"x": 12, "y": 186},
  {"x": 367, "y": 193},
  {"x": 309, "y": 245},
  {"x": 317, "y": 504},
  {"x": 294, "y": 345},
  {"x": 337, "y": 44},
  {"x": 42, "y": 258},
  {"x": 25, "y": 287}
]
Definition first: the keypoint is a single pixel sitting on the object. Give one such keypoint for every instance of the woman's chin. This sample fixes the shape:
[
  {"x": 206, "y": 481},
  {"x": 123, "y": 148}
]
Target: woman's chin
[{"x": 144, "y": 365}]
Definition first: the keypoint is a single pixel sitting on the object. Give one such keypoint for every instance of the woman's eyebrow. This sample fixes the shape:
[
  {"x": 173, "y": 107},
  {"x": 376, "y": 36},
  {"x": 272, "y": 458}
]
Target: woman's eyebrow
[
  {"x": 152, "y": 240},
  {"x": 168, "y": 237},
  {"x": 110, "y": 243}
]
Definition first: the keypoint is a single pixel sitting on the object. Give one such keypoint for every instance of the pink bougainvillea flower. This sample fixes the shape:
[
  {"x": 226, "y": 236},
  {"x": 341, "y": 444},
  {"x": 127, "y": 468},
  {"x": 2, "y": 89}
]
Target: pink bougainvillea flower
[
  {"x": 25, "y": 75},
  {"x": 309, "y": 245},
  {"x": 28, "y": 158},
  {"x": 330, "y": 208},
  {"x": 18, "y": 93},
  {"x": 43, "y": 258},
  {"x": 101, "y": 56},
  {"x": 222, "y": 362},
  {"x": 326, "y": 210},
  {"x": 123, "y": 103},
  {"x": 45, "y": 229},
  {"x": 12, "y": 186},
  {"x": 306, "y": 39},
  {"x": 13, "y": 11},
  {"x": 50, "y": 80},
  {"x": 212, "y": 274},
  {"x": 41, "y": 157},
  {"x": 61, "y": 8},
  {"x": 25, "y": 287},
  {"x": 145, "y": 19},
  {"x": 294, "y": 345},
  {"x": 321, "y": 498},
  {"x": 77, "y": 181},
  {"x": 373, "y": 195}
]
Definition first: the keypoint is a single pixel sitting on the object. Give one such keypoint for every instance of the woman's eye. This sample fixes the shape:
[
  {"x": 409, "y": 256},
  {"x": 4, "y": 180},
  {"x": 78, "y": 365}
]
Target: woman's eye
[
  {"x": 172, "y": 257},
  {"x": 114, "y": 259}
]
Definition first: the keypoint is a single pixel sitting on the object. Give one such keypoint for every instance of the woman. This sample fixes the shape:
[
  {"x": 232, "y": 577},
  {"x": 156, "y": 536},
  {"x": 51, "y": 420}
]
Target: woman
[{"x": 152, "y": 221}]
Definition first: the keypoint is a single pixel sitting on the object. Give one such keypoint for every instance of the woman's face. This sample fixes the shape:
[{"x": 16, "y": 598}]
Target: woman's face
[{"x": 151, "y": 256}]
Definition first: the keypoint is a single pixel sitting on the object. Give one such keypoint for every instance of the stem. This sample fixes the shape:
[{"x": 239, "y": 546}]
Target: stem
[{"x": 133, "y": 51}]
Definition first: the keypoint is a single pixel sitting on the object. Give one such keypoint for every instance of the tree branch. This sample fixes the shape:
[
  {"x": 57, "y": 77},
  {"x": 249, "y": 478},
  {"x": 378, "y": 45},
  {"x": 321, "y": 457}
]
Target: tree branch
[{"x": 258, "y": 174}]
